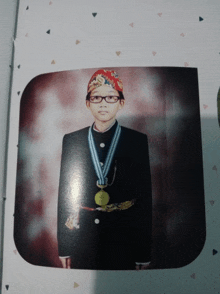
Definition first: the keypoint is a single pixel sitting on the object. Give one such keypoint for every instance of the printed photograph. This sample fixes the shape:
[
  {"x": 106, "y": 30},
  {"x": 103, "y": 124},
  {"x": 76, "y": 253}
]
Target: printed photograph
[{"x": 110, "y": 169}]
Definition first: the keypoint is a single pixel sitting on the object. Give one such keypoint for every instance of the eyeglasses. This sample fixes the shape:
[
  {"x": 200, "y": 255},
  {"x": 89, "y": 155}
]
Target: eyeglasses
[{"x": 108, "y": 99}]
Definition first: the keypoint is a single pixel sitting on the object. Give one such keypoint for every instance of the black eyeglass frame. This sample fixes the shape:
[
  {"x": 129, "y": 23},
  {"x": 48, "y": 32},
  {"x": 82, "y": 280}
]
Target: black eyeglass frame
[
  {"x": 121, "y": 96},
  {"x": 104, "y": 97}
]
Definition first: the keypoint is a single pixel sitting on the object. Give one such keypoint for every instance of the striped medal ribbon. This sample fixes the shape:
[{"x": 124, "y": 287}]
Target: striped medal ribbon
[{"x": 102, "y": 197}]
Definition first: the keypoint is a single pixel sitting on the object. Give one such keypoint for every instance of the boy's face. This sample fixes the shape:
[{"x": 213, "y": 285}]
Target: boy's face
[{"x": 104, "y": 111}]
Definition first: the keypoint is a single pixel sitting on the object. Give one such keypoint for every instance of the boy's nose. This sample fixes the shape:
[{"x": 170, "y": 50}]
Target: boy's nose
[{"x": 103, "y": 103}]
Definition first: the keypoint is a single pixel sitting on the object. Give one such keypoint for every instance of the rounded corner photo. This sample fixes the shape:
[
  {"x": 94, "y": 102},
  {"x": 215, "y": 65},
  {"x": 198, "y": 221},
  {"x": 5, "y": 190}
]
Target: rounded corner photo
[{"x": 110, "y": 169}]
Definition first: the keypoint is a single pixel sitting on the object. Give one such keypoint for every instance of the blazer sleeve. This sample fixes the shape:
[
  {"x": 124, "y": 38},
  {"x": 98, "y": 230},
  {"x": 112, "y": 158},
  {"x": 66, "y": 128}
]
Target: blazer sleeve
[
  {"x": 144, "y": 202},
  {"x": 65, "y": 236}
]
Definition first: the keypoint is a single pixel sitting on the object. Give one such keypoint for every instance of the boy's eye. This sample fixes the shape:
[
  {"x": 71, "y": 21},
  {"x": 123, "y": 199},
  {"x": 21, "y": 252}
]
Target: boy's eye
[
  {"x": 111, "y": 98},
  {"x": 95, "y": 98}
]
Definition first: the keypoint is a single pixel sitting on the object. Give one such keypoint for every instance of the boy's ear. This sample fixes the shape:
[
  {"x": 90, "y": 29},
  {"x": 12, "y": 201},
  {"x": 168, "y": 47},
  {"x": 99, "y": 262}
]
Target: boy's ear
[
  {"x": 88, "y": 103},
  {"x": 122, "y": 103}
]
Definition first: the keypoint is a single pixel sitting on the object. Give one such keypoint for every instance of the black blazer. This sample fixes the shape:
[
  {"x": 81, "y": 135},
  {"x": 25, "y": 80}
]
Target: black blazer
[{"x": 106, "y": 240}]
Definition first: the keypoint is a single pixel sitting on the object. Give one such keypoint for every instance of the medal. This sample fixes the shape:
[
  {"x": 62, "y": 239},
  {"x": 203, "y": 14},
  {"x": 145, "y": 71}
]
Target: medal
[{"x": 102, "y": 197}]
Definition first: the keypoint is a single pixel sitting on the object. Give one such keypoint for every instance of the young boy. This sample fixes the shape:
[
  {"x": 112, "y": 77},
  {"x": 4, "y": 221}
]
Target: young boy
[{"x": 105, "y": 199}]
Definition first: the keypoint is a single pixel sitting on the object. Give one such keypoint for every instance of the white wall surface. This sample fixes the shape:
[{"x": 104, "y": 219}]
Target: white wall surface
[{"x": 7, "y": 28}]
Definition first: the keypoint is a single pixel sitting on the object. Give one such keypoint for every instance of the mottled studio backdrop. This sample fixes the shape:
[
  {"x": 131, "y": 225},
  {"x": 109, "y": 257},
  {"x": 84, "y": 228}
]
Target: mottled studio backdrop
[{"x": 161, "y": 102}]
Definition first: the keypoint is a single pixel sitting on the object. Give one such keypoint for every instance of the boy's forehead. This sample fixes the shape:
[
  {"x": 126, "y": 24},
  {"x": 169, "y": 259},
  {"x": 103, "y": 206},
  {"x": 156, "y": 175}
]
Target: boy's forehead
[{"x": 104, "y": 90}]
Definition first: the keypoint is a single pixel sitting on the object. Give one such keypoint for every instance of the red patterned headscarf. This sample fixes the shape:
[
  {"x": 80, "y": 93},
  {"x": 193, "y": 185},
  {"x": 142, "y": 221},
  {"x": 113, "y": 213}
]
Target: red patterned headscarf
[{"x": 105, "y": 77}]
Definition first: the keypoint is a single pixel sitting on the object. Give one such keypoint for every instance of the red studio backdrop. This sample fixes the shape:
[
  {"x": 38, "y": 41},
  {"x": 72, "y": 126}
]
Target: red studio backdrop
[{"x": 162, "y": 102}]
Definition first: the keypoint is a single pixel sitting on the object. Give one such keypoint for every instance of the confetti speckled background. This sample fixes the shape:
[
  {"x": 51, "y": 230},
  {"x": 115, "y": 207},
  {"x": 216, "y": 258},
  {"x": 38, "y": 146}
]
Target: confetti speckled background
[{"x": 54, "y": 36}]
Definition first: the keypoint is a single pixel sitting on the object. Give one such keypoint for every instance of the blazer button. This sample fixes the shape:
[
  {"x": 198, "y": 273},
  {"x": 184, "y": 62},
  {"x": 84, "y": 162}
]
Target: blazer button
[{"x": 97, "y": 221}]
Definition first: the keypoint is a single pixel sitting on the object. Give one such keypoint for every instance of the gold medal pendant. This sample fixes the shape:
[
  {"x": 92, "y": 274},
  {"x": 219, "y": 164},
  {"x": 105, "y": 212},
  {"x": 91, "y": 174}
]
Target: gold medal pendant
[{"x": 102, "y": 197}]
